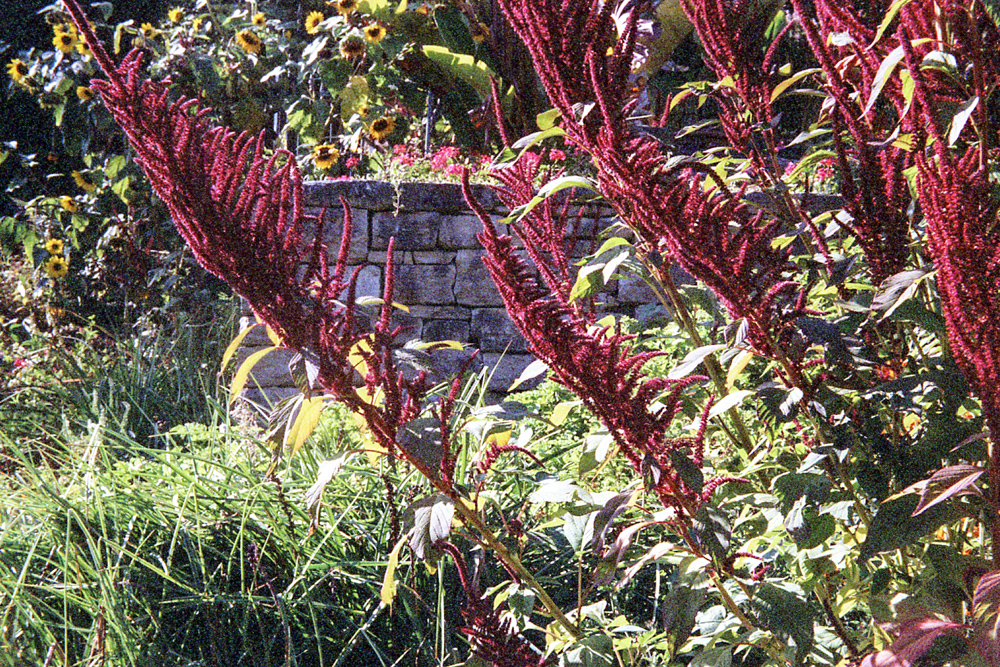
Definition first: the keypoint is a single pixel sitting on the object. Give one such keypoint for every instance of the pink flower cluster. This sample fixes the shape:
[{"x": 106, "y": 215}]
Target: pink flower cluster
[{"x": 443, "y": 158}]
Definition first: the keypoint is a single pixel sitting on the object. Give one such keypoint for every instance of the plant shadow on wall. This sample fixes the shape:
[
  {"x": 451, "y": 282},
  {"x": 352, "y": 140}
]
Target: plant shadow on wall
[{"x": 825, "y": 490}]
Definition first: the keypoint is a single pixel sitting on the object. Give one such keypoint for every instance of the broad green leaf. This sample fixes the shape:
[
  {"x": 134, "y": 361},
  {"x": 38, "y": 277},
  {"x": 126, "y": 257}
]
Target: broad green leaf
[
  {"x": 561, "y": 412},
  {"x": 731, "y": 400},
  {"x": 787, "y": 615},
  {"x": 240, "y": 379},
  {"x": 429, "y": 520},
  {"x": 388, "y": 592},
  {"x": 986, "y": 616},
  {"x": 305, "y": 422},
  {"x": 535, "y": 369},
  {"x": 961, "y": 118},
  {"x": 792, "y": 80},
  {"x": 547, "y": 119},
  {"x": 693, "y": 360},
  {"x": 884, "y": 71},
  {"x": 511, "y": 154},
  {"x": 894, "y": 526},
  {"x": 739, "y": 364},
  {"x": 467, "y": 68}
]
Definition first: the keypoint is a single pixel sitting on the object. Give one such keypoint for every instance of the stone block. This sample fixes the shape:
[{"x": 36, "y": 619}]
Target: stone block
[
  {"x": 370, "y": 195},
  {"x": 474, "y": 285},
  {"x": 412, "y": 231},
  {"x": 333, "y": 230},
  {"x": 633, "y": 291},
  {"x": 257, "y": 337},
  {"x": 271, "y": 370},
  {"x": 369, "y": 281},
  {"x": 446, "y": 330},
  {"x": 432, "y": 257},
  {"x": 441, "y": 312},
  {"x": 412, "y": 327},
  {"x": 442, "y": 197},
  {"x": 493, "y": 331},
  {"x": 425, "y": 284},
  {"x": 459, "y": 231}
]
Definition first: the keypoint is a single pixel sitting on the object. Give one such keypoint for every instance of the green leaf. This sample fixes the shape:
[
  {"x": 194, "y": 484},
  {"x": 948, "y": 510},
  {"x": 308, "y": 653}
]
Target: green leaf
[
  {"x": 231, "y": 350},
  {"x": 961, "y": 117},
  {"x": 454, "y": 30},
  {"x": 792, "y": 80},
  {"x": 895, "y": 527},
  {"x": 693, "y": 360},
  {"x": 465, "y": 67},
  {"x": 786, "y": 615},
  {"x": 388, "y": 591},
  {"x": 890, "y": 16},
  {"x": 547, "y": 119},
  {"x": 420, "y": 440},
  {"x": 305, "y": 422},
  {"x": 428, "y": 520},
  {"x": 536, "y": 368},
  {"x": 712, "y": 531}
]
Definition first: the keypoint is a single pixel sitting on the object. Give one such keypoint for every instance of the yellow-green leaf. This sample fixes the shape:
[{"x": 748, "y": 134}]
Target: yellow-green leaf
[
  {"x": 562, "y": 410},
  {"x": 305, "y": 422},
  {"x": 739, "y": 363},
  {"x": 388, "y": 593},
  {"x": 231, "y": 350},
  {"x": 791, "y": 81},
  {"x": 244, "y": 372}
]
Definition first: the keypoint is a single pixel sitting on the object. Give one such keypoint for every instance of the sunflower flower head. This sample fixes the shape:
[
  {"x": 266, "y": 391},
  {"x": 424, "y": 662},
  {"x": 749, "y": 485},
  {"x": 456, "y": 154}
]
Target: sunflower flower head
[
  {"x": 84, "y": 93},
  {"x": 56, "y": 266},
  {"x": 344, "y": 7},
  {"x": 54, "y": 246},
  {"x": 312, "y": 22},
  {"x": 374, "y": 33},
  {"x": 259, "y": 19},
  {"x": 249, "y": 41},
  {"x": 325, "y": 156},
  {"x": 148, "y": 31},
  {"x": 196, "y": 23},
  {"x": 18, "y": 70},
  {"x": 382, "y": 127},
  {"x": 69, "y": 204},
  {"x": 83, "y": 48},
  {"x": 65, "y": 40},
  {"x": 82, "y": 182},
  {"x": 352, "y": 47},
  {"x": 175, "y": 15}
]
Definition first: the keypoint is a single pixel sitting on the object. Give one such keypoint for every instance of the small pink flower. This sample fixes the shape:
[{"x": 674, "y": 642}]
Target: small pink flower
[
  {"x": 400, "y": 149},
  {"x": 352, "y": 162},
  {"x": 19, "y": 363},
  {"x": 455, "y": 169},
  {"x": 403, "y": 159},
  {"x": 557, "y": 155}
]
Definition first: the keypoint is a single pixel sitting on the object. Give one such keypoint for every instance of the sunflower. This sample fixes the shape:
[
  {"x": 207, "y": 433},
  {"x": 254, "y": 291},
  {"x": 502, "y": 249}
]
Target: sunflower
[
  {"x": 54, "y": 246},
  {"x": 382, "y": 127},
  {"x": 196, "y": 23},
  {"x": 362, "y": 110},
  {"x": 313, "y": 21},
  {"x": 17, "y": 69},
  {"x": 147, "y": 30},
  {"x": 344, "y": 7},
  {"x": 249, "y": 41},
  {"x": 83, "y": 48},
  {"x": 259, "y": 19},
  {"x": 325, "y": 156},
  {"x": 82, "y": 182},
  {"x": 65, "y": 41},
  {"x": 56, "y": 266},
  {"x": 480, "y": 32},
  {"x": 84, "y": 93},
  {"x": 374, "y": 33},
  {"x": 175, "y": 15},
  {"x": 352, "y": 47},
  {"x": 69, "y": 204}
]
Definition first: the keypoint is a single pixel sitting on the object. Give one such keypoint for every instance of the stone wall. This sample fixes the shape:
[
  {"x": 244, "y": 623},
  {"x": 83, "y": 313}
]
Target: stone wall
[{"x": 440, "y": 275}]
